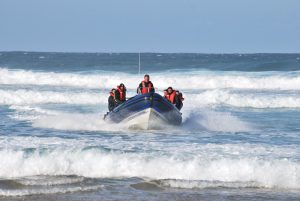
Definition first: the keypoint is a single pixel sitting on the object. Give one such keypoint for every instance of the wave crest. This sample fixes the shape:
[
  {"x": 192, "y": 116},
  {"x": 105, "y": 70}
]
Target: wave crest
[
  {"x": 274, "y": 173},
  {"x": 182, "y": 81}
]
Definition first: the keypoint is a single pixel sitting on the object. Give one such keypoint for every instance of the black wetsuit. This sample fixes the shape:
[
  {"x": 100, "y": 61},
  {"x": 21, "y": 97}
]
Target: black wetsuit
[
  {"x": 111, "y": 103},
  {"x": 178, "y": 102}
]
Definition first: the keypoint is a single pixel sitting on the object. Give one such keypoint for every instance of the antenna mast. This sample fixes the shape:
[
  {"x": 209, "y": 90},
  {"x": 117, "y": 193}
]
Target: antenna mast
[{"x": 139, "y": 63}]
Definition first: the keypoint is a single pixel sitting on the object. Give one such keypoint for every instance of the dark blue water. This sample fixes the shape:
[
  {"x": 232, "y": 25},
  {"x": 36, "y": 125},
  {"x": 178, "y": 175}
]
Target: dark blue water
[{"x": 151, "y": 62}]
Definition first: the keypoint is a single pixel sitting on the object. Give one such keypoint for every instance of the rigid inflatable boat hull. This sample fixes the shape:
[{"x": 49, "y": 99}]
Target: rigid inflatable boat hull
[{"x": 147, "y": 111}]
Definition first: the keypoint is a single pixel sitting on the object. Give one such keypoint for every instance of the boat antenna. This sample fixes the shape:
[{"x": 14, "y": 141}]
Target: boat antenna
[{"x": 139, "y": 63}]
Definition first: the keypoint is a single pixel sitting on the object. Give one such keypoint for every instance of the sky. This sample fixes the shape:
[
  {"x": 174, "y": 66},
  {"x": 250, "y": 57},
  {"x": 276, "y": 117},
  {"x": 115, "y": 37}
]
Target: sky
[{"x": 200, "y": 26}]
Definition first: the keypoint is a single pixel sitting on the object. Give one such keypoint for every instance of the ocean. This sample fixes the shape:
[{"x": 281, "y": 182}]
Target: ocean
[{"x": 239, "y": 140}]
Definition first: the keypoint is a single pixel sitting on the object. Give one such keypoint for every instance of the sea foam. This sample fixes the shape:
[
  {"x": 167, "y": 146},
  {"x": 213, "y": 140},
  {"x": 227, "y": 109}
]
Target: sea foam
[
  {"x": 182, "y": 81},
  {"x": 274, "y": 173},
  {"x": 199, "y": 99}
]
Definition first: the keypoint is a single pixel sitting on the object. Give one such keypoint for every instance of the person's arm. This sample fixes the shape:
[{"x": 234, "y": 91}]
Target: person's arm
[
  {"x": 139, "y": 89},
  {"x": 152, "y": 88}
]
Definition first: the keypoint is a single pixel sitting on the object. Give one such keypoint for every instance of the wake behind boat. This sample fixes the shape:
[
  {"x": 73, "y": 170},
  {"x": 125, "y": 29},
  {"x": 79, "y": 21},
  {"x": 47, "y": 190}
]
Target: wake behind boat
[{"x": 145, "y": 111}]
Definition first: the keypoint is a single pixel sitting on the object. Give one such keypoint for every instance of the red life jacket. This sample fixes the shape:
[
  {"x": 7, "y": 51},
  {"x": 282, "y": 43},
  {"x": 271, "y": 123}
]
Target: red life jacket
[
  {"x": 112, "y": 94},
  {"x": 171, "y": 97},
  {"x": 122, "y": 94},
  {"x": 146, "y": 89}
]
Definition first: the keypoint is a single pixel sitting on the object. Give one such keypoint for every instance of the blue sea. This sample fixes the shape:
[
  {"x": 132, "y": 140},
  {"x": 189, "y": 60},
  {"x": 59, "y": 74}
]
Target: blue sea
[{"x": 239, "y": 140}]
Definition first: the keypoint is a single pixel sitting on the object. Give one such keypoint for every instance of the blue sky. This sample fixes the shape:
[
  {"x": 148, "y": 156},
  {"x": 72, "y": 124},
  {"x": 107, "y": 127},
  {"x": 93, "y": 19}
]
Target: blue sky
[{"x": 203, "y": 26}]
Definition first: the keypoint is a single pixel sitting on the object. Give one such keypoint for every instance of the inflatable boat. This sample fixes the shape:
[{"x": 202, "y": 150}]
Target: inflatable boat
[{"x": 146, "y": 111}]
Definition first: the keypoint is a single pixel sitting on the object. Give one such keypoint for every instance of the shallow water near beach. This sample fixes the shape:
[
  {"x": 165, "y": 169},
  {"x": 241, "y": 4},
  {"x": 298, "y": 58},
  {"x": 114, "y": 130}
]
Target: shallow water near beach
[{"x": 239, "y": 140}]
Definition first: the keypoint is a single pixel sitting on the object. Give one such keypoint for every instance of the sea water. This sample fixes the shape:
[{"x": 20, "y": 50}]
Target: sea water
[{"x": 239, "y": 140}]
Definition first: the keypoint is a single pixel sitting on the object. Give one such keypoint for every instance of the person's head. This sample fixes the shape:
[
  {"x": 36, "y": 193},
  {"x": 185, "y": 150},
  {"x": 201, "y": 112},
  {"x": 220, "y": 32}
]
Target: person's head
[
  {"x": 170, "y": 90},
  {"x": 122, "y": 86},
  {"x": 146, "y": 78}
]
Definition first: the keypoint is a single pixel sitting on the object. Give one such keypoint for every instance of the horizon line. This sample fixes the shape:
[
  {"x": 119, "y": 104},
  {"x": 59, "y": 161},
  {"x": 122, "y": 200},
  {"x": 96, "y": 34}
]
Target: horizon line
[{"x": 143, "y": 52}]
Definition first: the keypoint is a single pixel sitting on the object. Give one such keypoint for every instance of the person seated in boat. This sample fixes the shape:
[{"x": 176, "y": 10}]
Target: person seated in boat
[
  {"x": 145, "y": 86},
  {"x": 120, "y": 94},
  {"x": 111, "y": 100},
  {"x": 180, "y": 99},
  {"x": 174, "y": 97}
]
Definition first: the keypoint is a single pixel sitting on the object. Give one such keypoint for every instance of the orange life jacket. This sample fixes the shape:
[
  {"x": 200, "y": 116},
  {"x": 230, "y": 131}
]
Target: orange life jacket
[
  {"x": 146, "y": 89},
  {"x": 171, "y": 97},
  {"x": 122, "y": 94}
]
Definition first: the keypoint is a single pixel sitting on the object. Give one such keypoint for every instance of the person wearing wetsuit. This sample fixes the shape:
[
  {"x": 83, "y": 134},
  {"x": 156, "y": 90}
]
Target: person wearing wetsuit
[
  {"x": 146, "y": 86},
  {"x": 180, "y": 100},
  {"x": 111, "y": 100},
  {"x": 120, "y": 94},
  {"x": 174, "y": 97}
]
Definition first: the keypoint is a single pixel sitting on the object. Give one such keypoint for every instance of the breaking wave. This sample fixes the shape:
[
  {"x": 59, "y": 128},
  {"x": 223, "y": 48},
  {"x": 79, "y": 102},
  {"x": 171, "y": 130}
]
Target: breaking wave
[
  {"x": 93, "y": 163},
  {"x": 22, "y": 97},
  {"x": 184, "y": 81},
  {"x": 199, "y": 99},
  {"x": 239, "y": 99}
]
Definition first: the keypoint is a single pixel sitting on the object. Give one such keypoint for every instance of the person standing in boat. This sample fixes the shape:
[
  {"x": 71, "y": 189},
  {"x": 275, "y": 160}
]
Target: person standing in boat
[
  {"x": 174, "y": 97},
  {"x": 120, "y": 94},
  {"x": 145, "y": 86}
]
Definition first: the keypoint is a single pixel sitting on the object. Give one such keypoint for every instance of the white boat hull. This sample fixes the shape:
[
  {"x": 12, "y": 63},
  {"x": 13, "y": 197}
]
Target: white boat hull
[{"x": 148, "y": 119}]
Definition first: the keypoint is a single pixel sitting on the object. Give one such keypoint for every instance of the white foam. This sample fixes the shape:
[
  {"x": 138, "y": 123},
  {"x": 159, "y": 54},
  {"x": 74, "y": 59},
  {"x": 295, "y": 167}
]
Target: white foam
[
  {"x": 214, "y": 121},
  {"x": 193, "y": 120},
  {"x": 30, "y": 113},
  {"x": 138, "y": 142},
  {"x": 54, "y": 119},
  {"x": 269, "y": 173},
  {"x": 37, "y": 142},
  {"x": 200, "y": 100},
  {"x": 235, "y": 99},
  {"x": 21, "y": 97},
  {"x": 83, "y": 122},
  {"x": 59, "y": 79},
  {"x": 208, "y": 184},
  {"x": 49, "y": 181},
  {"x": 182, "y": 81},
  {"x": 28, "y": 108},
  {"x": 45, "y": 118}
]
